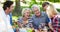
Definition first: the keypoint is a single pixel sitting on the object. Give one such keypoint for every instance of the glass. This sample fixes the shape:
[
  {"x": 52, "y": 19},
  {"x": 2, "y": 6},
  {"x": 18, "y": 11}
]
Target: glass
[{"x": 42, "y": 27}]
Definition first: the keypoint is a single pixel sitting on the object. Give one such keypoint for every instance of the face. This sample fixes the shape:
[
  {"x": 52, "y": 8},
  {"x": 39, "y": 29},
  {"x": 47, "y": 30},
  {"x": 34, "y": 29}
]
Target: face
[
  {"x": 27, "y": 14},
  {"x": 36, "y": 12},
  {"x": 45, "y": 7},
  {"x": 10, "y": 9}
]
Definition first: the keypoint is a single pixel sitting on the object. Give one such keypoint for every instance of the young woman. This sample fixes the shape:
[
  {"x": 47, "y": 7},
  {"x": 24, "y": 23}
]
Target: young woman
[{"x": 52, "y": 13}]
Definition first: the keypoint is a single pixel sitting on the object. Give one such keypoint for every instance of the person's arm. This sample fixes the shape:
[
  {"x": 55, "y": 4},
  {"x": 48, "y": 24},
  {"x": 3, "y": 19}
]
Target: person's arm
[
  {"x": 50, "y": 26},
  {"x": 19, "y": 24},
  {"x": 49, "y": 23}
]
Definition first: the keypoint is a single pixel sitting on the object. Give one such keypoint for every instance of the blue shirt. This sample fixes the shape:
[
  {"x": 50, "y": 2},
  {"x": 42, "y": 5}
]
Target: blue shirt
[
  {"x": 38, "y": 20},
  {"x": 10, "y": 18}
]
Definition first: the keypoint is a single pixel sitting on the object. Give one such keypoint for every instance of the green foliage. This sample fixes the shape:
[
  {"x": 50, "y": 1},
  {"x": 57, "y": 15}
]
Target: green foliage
[
  {"x": 58, "y": 10},
  {"x": 18, "y": 8},
  {"x": 32, "y": 2},
  {"x": 18, "y": 13}
]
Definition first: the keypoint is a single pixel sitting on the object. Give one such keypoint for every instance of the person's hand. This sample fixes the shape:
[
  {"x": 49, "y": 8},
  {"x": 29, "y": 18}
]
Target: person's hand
[
  {"x": 19, "y": 24},
  {"x": 17, "y": 29}
]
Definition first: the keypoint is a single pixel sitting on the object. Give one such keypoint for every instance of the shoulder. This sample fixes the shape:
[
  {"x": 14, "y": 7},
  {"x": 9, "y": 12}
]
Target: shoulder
[
  {"x": 20, "y": 19},
  {"x": 44, "y": 13},
  {"x": 30, "y": 19},
  {"x": 33, "y": 16},
  {"x": 58, "y": 15},
  {"x": 56, "y": 18}
]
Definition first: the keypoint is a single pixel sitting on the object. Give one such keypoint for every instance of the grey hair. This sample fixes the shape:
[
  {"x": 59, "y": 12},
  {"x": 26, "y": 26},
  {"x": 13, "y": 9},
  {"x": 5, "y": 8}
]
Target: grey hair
[
  {"x": 25, "y": 9},
  {"x": 35, "y": 6}
]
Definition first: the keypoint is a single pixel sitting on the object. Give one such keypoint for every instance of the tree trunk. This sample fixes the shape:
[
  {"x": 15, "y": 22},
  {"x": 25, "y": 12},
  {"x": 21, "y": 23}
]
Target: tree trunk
[{"x": 17, "y": 8}]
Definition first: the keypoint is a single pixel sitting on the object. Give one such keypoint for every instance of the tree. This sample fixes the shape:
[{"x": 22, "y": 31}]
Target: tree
[
  {"x": 17, "y": 8},
  {"x": 32, "y": 2}
]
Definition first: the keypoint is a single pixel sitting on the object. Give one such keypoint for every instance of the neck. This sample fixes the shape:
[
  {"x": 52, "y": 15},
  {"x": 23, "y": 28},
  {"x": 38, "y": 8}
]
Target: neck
[
  {"x": 24, "y": 18},
  {"x": 38, "y": 16},
  {"x": 6, "y": 12}
]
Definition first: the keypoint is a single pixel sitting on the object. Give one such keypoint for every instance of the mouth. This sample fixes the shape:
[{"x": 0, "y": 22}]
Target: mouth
[{"x": 37, "y": 13}]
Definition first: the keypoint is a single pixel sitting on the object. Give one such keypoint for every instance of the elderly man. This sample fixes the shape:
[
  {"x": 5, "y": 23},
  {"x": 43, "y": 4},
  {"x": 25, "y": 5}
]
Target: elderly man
[{"x": 40, "y": 19}]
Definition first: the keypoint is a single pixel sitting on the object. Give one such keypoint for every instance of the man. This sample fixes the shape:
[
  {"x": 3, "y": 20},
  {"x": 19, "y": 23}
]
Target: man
[
  {"x": 2, "y": 24},
  {"x": 45, "y": 7},
  {"x": 39, "y": 17},
  {"x": 8, "y": 7}
]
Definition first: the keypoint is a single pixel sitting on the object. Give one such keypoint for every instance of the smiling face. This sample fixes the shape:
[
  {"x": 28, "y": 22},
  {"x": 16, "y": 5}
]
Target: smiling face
[
  {"x": 36, "y": 11},
  {"x": 27, "y": 14}
]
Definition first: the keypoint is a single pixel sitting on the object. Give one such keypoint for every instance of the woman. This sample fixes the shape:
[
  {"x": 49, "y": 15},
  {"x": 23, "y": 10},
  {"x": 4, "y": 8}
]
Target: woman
[
  {"x": 25, "y": 21},
  {"x": 52, "y": 13}
]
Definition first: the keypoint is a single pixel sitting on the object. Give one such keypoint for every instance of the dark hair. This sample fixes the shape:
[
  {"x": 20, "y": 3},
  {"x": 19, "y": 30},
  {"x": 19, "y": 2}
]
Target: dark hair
[
  {"x": 44, "y": 4},
  {"x": 7, "y": 4}
]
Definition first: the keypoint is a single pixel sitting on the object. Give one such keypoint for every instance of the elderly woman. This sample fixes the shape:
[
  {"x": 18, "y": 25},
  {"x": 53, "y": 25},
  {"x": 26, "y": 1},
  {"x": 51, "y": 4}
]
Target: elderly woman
[
  {"x": 25, "y": 21},
  {"x": 52, "y": 13}
]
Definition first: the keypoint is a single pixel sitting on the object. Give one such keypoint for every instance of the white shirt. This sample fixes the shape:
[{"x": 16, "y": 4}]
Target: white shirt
[
  {"x": 5, "y": 25},
  {"x": 2, "y": 23},
  {"x": 9, "y": 27}
]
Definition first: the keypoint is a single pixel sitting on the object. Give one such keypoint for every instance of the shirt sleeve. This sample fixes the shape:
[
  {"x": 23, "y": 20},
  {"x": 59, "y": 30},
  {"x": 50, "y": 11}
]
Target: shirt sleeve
[
  {"x": 20, "y": 20},
  {"x": 48, "y": 19}
]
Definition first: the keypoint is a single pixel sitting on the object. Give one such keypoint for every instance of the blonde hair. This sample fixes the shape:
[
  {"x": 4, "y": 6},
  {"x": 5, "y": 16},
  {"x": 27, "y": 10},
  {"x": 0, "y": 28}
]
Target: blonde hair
[
  {"x": 25, "y": 9},
  {"x": 51, "y": 10}
]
